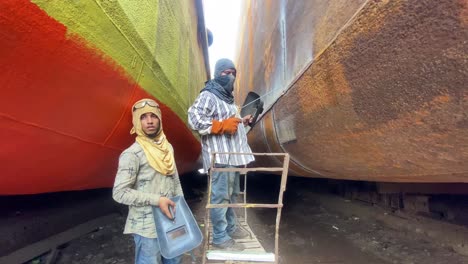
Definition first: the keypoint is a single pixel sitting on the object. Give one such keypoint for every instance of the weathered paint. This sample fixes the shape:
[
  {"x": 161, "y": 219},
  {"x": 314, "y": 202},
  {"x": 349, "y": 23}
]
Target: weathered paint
[
  {"x": 65, "y": 103},
  {"x": 376, "y": 90},
  {"x": 160, "y": 36}
]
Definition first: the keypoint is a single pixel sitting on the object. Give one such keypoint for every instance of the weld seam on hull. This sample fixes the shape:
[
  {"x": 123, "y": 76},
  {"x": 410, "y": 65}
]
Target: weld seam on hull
[
  {"x": 308, "y": 65},
  {"x": 127, "y": 106},
  {"x": 56, "y": 132},
  {"x": 291, "y": 160}
]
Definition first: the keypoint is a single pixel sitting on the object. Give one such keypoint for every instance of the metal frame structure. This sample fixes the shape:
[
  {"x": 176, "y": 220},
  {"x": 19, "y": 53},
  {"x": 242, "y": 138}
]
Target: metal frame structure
[{"x": 245, "y": 205}]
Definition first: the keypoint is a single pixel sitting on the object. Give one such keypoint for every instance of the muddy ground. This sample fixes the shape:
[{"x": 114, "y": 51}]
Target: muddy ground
[{"x": 315, "y": 228}]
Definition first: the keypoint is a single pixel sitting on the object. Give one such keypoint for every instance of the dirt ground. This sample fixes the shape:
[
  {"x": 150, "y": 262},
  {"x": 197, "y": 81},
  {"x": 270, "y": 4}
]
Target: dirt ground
[
  {"x": 311, "y": 230},
  {"x": 320, "y": 228}
]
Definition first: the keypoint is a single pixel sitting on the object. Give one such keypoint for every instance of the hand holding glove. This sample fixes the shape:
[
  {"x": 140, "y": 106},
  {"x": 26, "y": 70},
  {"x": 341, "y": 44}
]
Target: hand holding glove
[
  {"x": 164, "y": 204},
  {"x": 247, "y": 120},
  {"x": 227, "y": 126}
]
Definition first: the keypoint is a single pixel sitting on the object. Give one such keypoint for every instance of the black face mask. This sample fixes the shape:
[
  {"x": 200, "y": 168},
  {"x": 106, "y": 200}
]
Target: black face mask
[{"x": 226, "y": 81}]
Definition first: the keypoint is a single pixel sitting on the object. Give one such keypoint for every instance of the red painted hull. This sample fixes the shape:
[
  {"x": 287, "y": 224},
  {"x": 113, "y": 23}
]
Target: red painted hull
[{"x": 65, "y": 109}]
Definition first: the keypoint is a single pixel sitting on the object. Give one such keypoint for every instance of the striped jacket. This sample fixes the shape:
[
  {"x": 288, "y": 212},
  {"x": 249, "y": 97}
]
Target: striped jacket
[{"x": 200, "y": 115}]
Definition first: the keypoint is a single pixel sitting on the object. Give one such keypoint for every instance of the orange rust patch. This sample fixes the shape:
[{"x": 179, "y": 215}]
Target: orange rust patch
[
  {"x": 333, "y": 16},
  {"x": 323, "y": 90},
  {"x": 405, "y": 117},
  {"x": 441, "y": 99},
  {"x": 269, "y": 64},
  {"x": 464, "y": 12}
]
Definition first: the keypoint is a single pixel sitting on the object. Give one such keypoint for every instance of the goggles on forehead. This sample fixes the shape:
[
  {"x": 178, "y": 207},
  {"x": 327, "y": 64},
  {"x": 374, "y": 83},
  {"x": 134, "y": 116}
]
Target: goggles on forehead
[{"x": 143, "y": 103}]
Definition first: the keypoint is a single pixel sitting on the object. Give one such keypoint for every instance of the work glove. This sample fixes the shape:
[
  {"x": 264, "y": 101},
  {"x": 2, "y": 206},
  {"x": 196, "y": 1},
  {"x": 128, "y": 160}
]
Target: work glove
[{"x": 227, "y": 126}]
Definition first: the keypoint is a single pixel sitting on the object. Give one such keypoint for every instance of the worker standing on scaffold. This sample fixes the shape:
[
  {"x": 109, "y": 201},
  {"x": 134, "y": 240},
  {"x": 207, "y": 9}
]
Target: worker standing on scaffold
[{"x": 215, "y": 117}]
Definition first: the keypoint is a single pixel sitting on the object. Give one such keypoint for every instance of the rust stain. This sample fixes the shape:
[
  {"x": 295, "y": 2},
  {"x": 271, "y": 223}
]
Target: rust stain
[
  {"x": 464, "y": 12},
  {"x": 386, "y": 100},
  {"x": 378, "y": 16},
  {"x": 269, "y": 64},
  {"x": 270, "y": 136},
  {"x": 251, "y": 51},
  {"x": 402, "y": 67},
  {"x": 421, "y": 117},
  {"x": 441, "y": 99},
  {"x": 326, "y": 89},
  {"x": 330, "y": 17}
]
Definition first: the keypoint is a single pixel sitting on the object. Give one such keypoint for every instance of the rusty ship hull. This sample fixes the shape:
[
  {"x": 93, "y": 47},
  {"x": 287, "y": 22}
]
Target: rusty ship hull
[{"x": 360, "y": 90}]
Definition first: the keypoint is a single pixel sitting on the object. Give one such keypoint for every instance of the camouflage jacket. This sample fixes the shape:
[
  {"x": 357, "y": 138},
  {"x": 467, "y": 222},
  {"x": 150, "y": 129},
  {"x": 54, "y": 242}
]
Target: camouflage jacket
[{"x": 140, "y": 186}]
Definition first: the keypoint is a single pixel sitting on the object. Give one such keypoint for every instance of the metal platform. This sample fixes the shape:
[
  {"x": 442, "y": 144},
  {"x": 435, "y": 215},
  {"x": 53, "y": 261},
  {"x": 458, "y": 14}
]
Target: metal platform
[
  {"x": 253, "y": 248},
  {"x": 254, "y": 251}
]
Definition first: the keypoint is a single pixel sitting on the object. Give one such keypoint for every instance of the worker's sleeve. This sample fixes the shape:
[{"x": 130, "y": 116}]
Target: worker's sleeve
[
  {"x": 200, "y": 114},
  {"x": 177, "y": 186},
  {"x": 123, "y": 191}
]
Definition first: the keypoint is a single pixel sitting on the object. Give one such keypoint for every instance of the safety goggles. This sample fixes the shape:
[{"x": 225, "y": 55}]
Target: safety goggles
[{"x": 143, "y": 103}]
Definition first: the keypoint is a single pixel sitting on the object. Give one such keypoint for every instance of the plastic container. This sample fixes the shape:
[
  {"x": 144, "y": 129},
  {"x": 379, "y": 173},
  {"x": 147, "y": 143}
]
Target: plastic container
[{"x": 180, "y": 235}]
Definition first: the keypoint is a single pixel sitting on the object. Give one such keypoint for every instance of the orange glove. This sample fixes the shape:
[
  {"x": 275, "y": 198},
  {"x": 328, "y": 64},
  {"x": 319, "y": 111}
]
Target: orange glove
[{"x": 227, "y": 126}]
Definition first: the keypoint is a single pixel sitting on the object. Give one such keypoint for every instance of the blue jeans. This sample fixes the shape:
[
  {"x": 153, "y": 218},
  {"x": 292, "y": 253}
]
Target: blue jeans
[
  {"x": 147, "y": 252},
  {"x": 224, "y": 188}
]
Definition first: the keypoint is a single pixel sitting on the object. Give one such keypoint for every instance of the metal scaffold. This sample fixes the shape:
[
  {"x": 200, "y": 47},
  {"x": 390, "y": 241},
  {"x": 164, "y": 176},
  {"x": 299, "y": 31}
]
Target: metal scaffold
[{"x": 254, "y": 251}]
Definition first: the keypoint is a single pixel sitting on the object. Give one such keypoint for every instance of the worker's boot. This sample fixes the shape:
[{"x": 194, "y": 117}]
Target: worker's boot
[
  {"x": 239, "y": 233},
  {"x": 230, "y": 245}
]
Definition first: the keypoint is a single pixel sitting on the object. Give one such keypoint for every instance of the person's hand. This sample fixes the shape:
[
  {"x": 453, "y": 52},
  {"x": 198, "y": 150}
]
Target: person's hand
[
  {"x": 164, "y": 204},
  {"x": 247, "y": 120},
  {"x": 228, "y": 126}
]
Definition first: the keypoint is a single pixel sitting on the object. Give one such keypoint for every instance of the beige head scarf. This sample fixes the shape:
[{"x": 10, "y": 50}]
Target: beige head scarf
[{"x": 158, "y": 151}]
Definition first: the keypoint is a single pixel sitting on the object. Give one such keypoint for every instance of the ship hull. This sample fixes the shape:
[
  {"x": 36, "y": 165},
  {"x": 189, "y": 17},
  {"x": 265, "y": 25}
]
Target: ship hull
[
  {"x": 360, "y": 90},
  {"x": 71, "y": 71}
]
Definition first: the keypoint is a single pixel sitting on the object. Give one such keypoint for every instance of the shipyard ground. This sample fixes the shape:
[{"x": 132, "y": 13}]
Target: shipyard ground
[{"x": 315, "y": 228}]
